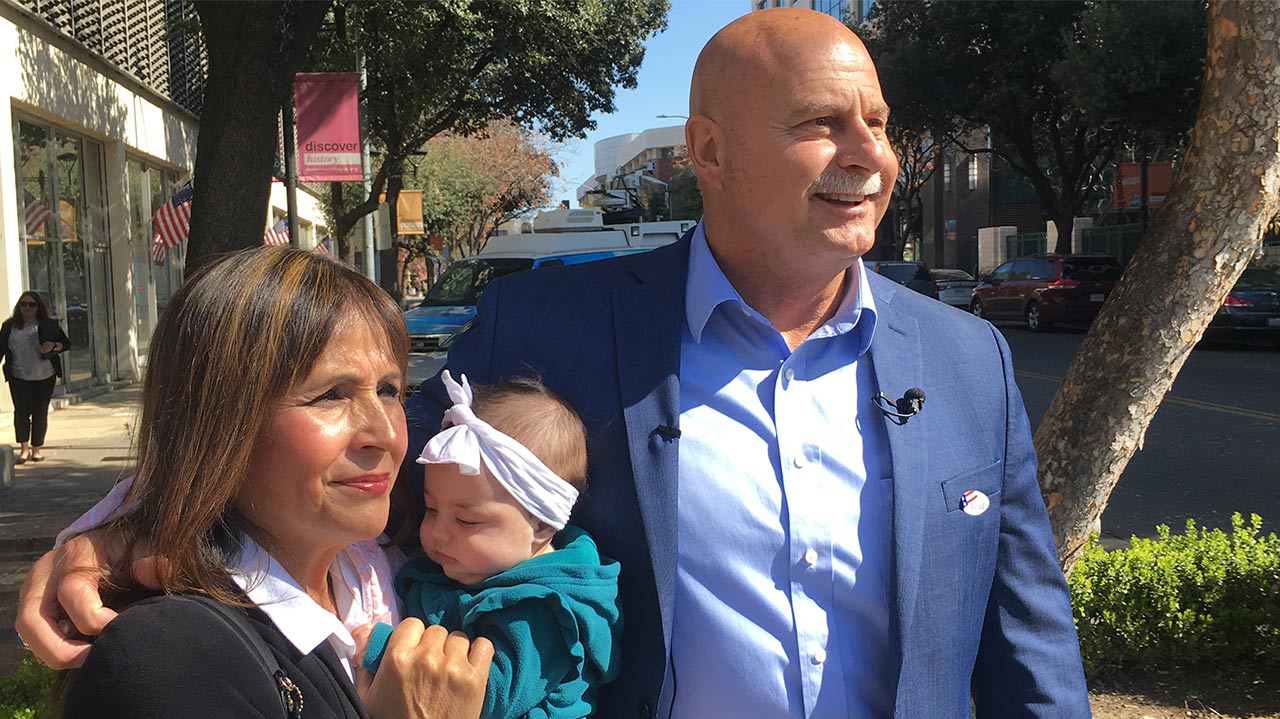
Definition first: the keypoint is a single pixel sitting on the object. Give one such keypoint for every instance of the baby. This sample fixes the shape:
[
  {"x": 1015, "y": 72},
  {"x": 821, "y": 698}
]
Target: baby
[{"x": 501, "y": 480}]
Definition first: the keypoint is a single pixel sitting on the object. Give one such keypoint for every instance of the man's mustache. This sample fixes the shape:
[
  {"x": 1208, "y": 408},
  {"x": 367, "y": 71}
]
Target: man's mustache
[{"x": 844, "y": 183}]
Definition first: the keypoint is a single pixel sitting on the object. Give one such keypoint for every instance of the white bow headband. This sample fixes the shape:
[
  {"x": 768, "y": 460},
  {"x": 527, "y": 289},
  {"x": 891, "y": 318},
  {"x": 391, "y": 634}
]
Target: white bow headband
[{"x": 469, "y": 441}]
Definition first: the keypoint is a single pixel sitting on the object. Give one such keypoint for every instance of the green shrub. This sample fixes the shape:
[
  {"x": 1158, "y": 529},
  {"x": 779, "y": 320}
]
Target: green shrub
[
  {"x": 25, "y": 693},
  {"x": 1197, "y": 599}
]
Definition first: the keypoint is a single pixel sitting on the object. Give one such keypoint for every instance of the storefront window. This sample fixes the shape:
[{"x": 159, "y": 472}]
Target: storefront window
[
  {"x": 140, "y": 251},
  {"x": 63, "y": 230},
  {"x": 157, "y": 270}
]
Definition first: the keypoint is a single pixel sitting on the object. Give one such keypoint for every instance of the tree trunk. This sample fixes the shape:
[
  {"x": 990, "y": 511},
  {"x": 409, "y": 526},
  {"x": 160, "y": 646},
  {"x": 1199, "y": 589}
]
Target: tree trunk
[
  {"x": 1065, "y": 224},
  {"x": 1225, "y": 192},
  {"x": 254, "y": 48}
]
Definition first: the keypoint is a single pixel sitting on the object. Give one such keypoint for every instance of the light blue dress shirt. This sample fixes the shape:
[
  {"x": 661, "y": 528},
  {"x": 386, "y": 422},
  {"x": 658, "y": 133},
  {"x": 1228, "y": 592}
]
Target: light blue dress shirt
[{"x": 783, "y": 591}]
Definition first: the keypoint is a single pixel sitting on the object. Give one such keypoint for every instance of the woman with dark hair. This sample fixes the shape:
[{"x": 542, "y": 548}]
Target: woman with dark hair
[
  {"x": 31, "y": 342},
  {"x": 271, "y": 435}
]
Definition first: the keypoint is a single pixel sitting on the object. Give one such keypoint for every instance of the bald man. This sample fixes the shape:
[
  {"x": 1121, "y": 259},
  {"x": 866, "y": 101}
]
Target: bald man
[{"x": 790, "y": 547}]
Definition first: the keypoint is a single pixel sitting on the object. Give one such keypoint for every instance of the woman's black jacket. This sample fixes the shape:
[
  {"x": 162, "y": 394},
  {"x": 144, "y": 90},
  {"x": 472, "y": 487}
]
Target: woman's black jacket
[
  {"x": 169, "y": 658},
  {"x": 49, "y": 331}
]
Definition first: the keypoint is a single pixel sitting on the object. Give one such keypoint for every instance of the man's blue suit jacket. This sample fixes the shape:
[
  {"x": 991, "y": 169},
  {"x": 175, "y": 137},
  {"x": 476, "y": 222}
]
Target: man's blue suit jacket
[{"x": 981, "y": 607}]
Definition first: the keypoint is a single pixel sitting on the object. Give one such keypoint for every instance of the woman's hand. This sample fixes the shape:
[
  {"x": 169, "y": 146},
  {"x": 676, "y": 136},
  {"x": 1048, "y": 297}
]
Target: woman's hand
[
  {"x": 47, "y": 347},
  {"x": 426, "y": 673}
]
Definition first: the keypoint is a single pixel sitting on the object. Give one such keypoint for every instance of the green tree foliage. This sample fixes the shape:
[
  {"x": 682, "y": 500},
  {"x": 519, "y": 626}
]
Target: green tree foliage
[
  {"x": 454, "y": 66},
  {"x": 1062, "y": 85},
  {"x": 686, "y": 196},
  {"x": 918, "y": 117},
  {"x": 471, "y": 185}
]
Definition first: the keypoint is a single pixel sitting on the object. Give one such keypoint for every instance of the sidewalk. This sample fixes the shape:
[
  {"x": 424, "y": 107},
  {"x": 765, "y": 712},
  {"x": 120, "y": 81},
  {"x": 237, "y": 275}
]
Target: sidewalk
[{"x": 87, "y": 450}]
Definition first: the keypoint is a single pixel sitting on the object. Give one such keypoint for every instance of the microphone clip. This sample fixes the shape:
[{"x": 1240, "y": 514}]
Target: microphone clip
[{"x": 902, "y": 409}]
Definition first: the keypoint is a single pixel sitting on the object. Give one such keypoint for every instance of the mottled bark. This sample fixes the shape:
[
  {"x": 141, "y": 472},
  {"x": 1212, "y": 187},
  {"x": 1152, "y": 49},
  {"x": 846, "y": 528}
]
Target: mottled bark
[{"x": 1224, "y": 194}]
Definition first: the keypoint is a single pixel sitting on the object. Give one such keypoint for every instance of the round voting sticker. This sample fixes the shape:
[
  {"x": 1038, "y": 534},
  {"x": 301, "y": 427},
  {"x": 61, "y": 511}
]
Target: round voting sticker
[{"x": 974, "y": 502}]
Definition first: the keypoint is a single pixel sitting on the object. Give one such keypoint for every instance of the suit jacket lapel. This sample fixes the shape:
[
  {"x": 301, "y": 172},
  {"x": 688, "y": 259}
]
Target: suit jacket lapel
[
  {"x": 895, "y": 356},
  {"x": 648, "y": 322}
]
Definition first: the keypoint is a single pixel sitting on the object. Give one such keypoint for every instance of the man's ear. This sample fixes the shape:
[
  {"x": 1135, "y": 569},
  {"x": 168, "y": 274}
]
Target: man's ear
[{"x": 705, "y": 144}]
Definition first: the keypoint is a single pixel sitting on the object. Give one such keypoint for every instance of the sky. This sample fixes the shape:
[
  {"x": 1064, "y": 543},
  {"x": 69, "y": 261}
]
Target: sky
[{"x": 662, "y": 87}]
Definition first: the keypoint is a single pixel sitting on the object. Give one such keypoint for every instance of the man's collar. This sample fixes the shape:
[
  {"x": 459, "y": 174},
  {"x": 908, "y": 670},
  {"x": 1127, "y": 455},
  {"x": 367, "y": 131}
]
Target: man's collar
[{"x": 708, "y": 288}]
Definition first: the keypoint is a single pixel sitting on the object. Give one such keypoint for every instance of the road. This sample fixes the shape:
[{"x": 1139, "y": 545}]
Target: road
[{"x": 1213, "y": 447}]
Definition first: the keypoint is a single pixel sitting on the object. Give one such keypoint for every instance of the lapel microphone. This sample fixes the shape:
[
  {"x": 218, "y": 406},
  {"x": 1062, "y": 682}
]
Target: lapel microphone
[
  {"x": 667, "y": 432},
  {"x": 902, "y": 409}
]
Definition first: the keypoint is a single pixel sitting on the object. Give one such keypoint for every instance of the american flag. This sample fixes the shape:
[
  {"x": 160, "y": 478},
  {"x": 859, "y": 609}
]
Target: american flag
[
  {"x": 158, "y": 251},
  {"x": 173, "y": 220},
  {"x": 278, "y": 234},
  {"x": 35, "y": 214},
  {"x": 325, "y": 246}
]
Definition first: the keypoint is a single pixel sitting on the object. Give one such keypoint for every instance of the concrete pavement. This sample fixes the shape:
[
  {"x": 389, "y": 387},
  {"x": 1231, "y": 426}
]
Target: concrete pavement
[{"x": 87, "y": 450}]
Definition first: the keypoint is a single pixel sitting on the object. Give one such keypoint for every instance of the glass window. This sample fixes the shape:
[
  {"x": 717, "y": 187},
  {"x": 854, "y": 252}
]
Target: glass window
[
  {"x": 1041, "y": 270},
  {"x": 1022, "y": 270},
  {"x": 973, "y": 172},
  {"x": 1003, "y": 272},
  {"x": 62, "y": 198},
  {"x": 463, "y": 282},
  {"x": 1258, "y": 279},
  {"x": 946, "y": 175},
  {"x": 166, "y": 266},
  {"x": 1093, "y": 269},
  {"x": 35, "y": 199},
  {"x": 141, "y": 249}
]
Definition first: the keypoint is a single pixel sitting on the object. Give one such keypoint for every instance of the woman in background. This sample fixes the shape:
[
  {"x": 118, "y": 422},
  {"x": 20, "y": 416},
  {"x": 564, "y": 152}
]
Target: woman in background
[{"x": 31, "y": 342}]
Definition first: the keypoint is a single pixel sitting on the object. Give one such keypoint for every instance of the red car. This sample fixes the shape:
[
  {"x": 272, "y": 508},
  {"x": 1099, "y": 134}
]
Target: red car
[{"x": 1043, "y": 290}]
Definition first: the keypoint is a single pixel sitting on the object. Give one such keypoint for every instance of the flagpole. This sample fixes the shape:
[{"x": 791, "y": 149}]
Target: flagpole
[{"x": 290, "y": 168}]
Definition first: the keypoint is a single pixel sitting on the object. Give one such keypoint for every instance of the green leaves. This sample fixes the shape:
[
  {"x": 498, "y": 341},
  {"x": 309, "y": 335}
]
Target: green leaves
[{"x": 1198, "y": 598}]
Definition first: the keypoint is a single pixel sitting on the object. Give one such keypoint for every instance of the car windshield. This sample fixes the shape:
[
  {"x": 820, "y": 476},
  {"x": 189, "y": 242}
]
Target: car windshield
[
  {"x": 1258, "y": 279},
  {"x": 952, "y": 275},
  {"x": 1091, "y": 269},
  {"x": 463, "y": 282},
  {"x": 902, "y": 273}
]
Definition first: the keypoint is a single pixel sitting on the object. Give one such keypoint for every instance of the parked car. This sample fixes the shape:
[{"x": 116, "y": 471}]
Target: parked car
[
  {"x": 1043, "y": 290},
  {"x": 425, "y": 365},
  {"x": 1250, "y": 310},
  {"x": 915, "y": 275},
  {"x": 955, "y": 287}
]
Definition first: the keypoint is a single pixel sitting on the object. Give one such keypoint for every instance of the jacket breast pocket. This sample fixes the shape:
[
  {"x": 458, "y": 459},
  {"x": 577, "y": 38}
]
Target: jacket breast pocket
[{"x": 987, "y": 480}]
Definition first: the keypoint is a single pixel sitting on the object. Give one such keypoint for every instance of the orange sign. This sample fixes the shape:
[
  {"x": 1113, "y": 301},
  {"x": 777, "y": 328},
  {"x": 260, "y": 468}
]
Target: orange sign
[{"x": 1127, "y": 194}]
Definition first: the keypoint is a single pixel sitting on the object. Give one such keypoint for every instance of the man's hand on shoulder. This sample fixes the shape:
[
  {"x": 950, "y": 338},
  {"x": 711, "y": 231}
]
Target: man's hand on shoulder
[{"x": 60, "y": 604}]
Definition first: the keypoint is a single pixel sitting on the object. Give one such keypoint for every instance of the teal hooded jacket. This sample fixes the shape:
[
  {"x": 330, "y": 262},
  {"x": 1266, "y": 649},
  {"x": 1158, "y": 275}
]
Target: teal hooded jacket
[{"x": 554, "y": 620}]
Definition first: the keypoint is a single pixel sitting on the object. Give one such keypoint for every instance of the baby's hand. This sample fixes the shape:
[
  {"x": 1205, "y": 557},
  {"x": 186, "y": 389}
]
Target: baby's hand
[{"x": 371, "y": 643}]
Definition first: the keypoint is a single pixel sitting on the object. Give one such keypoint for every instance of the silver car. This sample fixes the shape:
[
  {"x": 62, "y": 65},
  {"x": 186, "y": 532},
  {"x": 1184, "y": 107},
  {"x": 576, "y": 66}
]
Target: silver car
[{"x": 955, "y": 287}]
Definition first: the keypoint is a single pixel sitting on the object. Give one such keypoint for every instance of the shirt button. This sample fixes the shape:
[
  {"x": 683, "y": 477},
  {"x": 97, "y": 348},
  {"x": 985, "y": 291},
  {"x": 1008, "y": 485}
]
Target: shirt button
[
  {"x": 819, "y": 655},
  {"x": 811, "y": 556},
  {"x": 789, "y": 374}
]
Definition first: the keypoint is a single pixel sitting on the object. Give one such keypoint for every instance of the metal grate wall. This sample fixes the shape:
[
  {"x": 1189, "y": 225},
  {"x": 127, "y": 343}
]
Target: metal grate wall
[{"x": 156, "y": 41}]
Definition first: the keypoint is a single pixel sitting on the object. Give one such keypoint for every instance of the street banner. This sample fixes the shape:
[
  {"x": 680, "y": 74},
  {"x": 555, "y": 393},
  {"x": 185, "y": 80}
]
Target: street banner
[
  {"x": 327, "y": 105},
  {"x": 409, "y": 213},
  {"x": 1127, "y": 194}
]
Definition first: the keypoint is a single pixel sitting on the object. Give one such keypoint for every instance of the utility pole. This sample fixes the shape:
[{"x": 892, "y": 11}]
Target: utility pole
[{"x": 290, "y": 168}]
